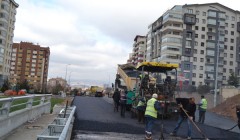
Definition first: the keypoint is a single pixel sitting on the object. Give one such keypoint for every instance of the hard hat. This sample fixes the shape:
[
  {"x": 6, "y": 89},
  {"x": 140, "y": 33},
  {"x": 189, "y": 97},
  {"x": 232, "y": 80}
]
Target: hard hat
[{"x": 154, "y": 95}]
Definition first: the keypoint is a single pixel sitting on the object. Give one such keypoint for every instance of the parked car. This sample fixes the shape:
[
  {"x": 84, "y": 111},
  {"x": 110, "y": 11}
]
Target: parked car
[{"x": 98, "y": 94}]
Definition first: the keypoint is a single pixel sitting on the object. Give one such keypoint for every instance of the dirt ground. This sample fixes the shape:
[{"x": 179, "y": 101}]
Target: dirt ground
[{"x": 228, "y": 107}]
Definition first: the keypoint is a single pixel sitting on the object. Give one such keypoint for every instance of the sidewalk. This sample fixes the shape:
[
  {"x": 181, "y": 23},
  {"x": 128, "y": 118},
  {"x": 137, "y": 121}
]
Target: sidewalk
[{"x": 30, "y": 130}]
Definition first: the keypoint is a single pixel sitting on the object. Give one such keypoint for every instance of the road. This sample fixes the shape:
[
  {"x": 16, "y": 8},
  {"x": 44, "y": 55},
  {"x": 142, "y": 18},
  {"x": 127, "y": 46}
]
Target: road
[{"x": 96, "y": 120}]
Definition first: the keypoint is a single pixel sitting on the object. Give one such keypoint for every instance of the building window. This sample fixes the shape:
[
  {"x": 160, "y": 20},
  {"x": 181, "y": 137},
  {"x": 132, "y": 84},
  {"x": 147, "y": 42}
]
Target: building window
[
  {"x": 210, "y": 38},
  {"x": 232, "y": 32},
  {"x": 226, "y": 24},
  {"x": 190, "y": 11},
  {"x": 224, "y": 69},
  {"x": 201, "y": 60},
  {"x": 203, "y": 21},
  {"x": 225, "y": 39},
  {"x": 202, "y": 44},
  {"x": 204, "y": 13},
  {"x": 225, "y": 62},
  {"x": 226, "y": 32},
  {"x": 203, "y": 28},
  {"x": 197, "y": 20},
  {"x": 200, "y": 75},
  {"x": 202, "y": 52},
  {"x": 195, "y": 51},
  {"x": 210, "y": 29},
  {"x": 196, "y": 35},
  {"x": 224, "y": 77},
  {"x": 186, "y": 58},
  {"x": 201, "y": 67},
  {"x": 203, "y": 36},
  {"x": 231, "y": 63},
  {"x": 231, "y": 55},
  {"x": 196, "y": 27},
  {"x": 225, "y": 54},
  {"x": 194, "y": 67},
  {"x": 186, "y": 66},
  {"x": 196, "y": 43},
  {"x": 225, "y": 47},
  {"x": 197, "y": 12},
  {"x": 230, "y": 70},
  {"x": 195, "y": 59},
  {"x": 232, "y": 40},
  {"x": 231, "y": 48},
  {"x": 233, "y": 18},
  {"x": 193, "y": 82},
  {"x": 194, "y": 75},
  {"x": 232, "y": 25},
  {"x": 227, "y": 17}
]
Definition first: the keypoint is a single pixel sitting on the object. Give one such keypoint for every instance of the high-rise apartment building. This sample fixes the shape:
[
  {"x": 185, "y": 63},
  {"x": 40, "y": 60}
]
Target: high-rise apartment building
[
  {"x": 201, "y": 38},
  {"x": 30, "y": 62},
  {"x": 138, "y": 54},
  {"x": 7, "y": 26}
]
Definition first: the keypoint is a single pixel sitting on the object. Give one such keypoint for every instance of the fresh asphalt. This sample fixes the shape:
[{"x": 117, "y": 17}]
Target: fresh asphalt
[{"x": 95, "y": 115}]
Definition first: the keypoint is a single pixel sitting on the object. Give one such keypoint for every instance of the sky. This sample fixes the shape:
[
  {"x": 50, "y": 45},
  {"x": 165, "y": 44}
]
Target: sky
[{"x": 88, "y": 38}]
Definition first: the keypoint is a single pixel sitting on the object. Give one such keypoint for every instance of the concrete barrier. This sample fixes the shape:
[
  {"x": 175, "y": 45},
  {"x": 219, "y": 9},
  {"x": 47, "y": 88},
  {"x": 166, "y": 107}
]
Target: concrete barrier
[{"x": 10, "y": 120}]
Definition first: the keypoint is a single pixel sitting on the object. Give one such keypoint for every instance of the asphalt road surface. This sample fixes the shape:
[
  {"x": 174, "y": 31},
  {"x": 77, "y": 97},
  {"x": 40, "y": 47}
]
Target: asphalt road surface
[{"x": 96, "y": 120}]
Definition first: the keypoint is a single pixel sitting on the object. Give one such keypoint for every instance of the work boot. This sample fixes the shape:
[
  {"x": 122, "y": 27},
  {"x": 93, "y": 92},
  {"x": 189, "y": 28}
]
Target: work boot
[
  {"x": 172, "y": 134},
  {"x": 148, "y": 137}
]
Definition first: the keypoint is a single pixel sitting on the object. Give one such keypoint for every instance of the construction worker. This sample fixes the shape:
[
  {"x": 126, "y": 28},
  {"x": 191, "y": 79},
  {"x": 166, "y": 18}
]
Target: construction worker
[
  {"x": 141, "y": 107},
  {"x": 153, "y": 106},
  {"x": 116, "y": 98},
  {"x": 130, "y": 97},
  {"x": 202, "y": 109},
  {"x": 190, "y": 110},
  {"x": 123, "y": 101}
]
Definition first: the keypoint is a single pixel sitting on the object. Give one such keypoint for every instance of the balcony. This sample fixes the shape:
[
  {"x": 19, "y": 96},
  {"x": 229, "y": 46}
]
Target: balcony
[{"x": 171, "y": 28}]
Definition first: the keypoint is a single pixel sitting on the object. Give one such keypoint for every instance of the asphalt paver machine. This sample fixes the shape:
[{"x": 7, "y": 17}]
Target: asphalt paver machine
[{"x": 165, "y": 75}]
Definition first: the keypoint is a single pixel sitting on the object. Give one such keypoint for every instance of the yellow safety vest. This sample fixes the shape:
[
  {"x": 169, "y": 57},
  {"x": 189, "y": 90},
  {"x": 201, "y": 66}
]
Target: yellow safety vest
[
  {"x": 204, "y": 104},
  {"x": 141, "y": 103},
  {"x": 150, "y": 110}
]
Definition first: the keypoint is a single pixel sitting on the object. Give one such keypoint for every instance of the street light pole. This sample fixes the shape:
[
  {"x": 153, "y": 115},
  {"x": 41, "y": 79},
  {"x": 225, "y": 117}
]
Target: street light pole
[
  {"x": 216, "y": 65},
  {"x": 66, "y": 78},
  {"x": 216, "y": 71},
  {"x": 69, "y": 77}
]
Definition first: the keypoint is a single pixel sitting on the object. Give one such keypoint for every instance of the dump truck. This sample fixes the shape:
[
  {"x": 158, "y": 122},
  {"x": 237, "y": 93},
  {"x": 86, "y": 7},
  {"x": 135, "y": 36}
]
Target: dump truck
[{"x": 127, "y": 77}]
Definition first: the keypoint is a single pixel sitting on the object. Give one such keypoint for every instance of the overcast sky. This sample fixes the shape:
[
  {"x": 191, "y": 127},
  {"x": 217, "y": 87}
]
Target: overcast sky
[{"x": 91, "y": 35}]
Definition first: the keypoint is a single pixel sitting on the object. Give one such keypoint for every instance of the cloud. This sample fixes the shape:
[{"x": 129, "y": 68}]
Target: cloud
[{"x": 91, "y": 35}]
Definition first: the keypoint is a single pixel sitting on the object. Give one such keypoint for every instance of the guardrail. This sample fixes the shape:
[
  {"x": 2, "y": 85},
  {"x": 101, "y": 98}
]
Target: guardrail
[
  {"x": 12, "y": 104},
  {"x": 59, "y": 129},
  {"x": 15, "y": 111}
]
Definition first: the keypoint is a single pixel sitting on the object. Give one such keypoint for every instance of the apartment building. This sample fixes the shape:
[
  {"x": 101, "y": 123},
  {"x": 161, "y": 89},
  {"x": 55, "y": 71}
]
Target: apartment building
[
  {"x": 202, "y": 38},
  {"x": 55, "y": 81},
  {"x": 30, "y": 62},
  {"x": 7, "y": 25},
  {"x": 138, "y": 54}
]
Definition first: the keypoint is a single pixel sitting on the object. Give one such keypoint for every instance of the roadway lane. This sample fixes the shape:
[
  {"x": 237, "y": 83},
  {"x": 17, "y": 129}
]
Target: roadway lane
[{"x": 95, "y": 117}]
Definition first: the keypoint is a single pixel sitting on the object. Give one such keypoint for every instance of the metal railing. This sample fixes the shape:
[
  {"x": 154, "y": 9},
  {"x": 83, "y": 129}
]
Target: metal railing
[
  {"x": 59, "y": 129},
  {"x": 12, "y": 104}
]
